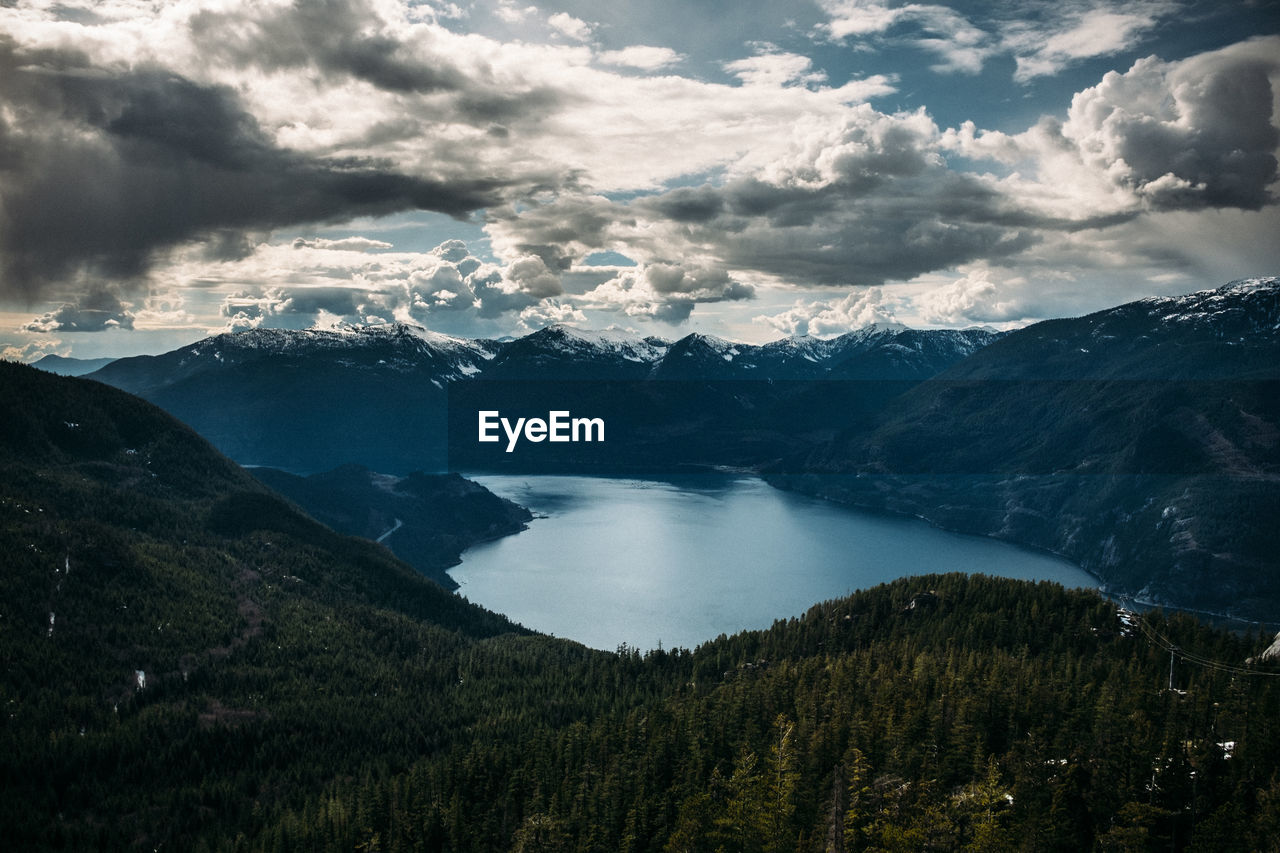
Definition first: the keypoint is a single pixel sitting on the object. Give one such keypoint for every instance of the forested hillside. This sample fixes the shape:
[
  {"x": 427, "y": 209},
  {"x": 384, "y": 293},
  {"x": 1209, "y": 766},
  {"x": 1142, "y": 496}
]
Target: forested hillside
[
  {"x": 427, "y": 520},
  {"x": 190, "y": 663},
  {"x": 936, "y": 713}
]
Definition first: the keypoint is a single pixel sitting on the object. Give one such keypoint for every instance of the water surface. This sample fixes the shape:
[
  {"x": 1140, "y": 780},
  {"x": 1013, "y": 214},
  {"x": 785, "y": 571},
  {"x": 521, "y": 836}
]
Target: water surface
[{"x": 679, "y": 562}]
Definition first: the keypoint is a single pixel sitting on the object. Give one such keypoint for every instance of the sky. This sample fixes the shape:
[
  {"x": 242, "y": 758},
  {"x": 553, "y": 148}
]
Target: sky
[{"x": 749, "y": 169}]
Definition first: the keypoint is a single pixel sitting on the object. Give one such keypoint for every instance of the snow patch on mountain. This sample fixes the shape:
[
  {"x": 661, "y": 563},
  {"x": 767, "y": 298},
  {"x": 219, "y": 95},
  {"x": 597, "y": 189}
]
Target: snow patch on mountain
[{"x": 616, "y": 342}]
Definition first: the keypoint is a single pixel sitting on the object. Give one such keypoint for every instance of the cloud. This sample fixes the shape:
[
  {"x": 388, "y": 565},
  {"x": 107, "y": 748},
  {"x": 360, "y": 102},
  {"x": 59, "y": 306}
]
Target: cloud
[
  {"x": 452, "y": 250},
  {"x": 870, "y": 198},
  {"x": 34, "y": 350},
  {"x": 164, "y": 310},
  {"x": 570, "y": 27},
  {"x": 549, "y": 313},
  {"x": 827, "y": 318},
  {"x": 772, "y": 67},
  {"x": 643, "y": 57},
  {"x": 665, "y": 292},
  {"x": 974, "y": 298},
  {"x": 1079, "y": 34},
  {"x": 446, "y": 285},
  {"x": 531, "y": 275},
  {"x": 241, "y": 313},
  {"x": 158, "y": 149},
  {"x": 250, "y": 309},
  {"x": 439, "y": 288},
  {"x": 96, "y": 311},
  {"x": 105, "y": 169},
  {"x": 338, "y": 38},
  {"x": 346, "y": 244},
  {"x": 1197, "y": 133},
  {"x": 1189, "y": 135},
  {"x": 1043, "y": 38},
  {"x": 311, "y": 301},
  {"x": 511, "y": 13},
  {"x": 864, "y": 200},
  {"x": 859, "y": 17},
  {"x": 962, "y": 46}
]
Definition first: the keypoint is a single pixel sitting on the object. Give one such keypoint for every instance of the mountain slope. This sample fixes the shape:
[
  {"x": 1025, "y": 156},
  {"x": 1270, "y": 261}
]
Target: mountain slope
[
  {"x": 309, "y": 400},
  {"x": 1142, "y": 442},
  {"x": 427, "y": 520},
  {"x": 153, "y": 594}
]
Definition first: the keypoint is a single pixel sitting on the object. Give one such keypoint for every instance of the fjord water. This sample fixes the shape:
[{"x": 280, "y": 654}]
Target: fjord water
[{"x": 678, "y": 562}]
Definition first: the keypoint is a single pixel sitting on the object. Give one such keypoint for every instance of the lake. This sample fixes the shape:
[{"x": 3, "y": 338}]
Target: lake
[{"x": 678, "y": 562}]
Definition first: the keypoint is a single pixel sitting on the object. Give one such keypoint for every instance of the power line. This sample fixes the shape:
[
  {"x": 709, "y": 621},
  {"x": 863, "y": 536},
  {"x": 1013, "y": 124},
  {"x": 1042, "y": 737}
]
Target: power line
[{"x": 1169, "y": 646}]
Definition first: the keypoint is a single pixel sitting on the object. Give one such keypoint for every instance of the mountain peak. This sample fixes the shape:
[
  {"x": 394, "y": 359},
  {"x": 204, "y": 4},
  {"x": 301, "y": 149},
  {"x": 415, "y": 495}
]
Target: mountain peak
[{"x": 1251, "y": 285}]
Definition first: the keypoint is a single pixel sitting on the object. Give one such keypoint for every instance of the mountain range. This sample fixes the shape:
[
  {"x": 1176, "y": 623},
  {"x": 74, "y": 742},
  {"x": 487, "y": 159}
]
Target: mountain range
[
  {"x": 1142, "y": 441},
  {"x": 377, "y": 396}
]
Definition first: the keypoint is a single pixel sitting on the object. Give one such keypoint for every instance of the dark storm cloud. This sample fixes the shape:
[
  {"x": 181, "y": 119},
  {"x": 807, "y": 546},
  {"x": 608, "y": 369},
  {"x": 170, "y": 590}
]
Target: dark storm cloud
[
  {"x": 103, "y": 169},
  {"x": 563, "y": 231},
  {"x": 863, "y": 228},
  {"x": 333, "y": 35},
  {"x": 689, "y": 204},
  {"x": 342, "y": 39},
  {"x": 343, "y": 301},
  {"x": 96, "y": 311}
]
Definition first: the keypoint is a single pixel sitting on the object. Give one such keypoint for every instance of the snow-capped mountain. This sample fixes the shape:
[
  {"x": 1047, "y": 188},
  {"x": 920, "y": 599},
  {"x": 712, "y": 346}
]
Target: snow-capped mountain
[
  {"x": 377, "y": 395},
  {"x": 1231, "y": 332},
  {"x": 394, "y": 347},
  {"x": 699, "y": 356},
  {"x": 881, "y": 351},
  {"x": 563, "y": 352},
  {"x": 307, "y": 400}
]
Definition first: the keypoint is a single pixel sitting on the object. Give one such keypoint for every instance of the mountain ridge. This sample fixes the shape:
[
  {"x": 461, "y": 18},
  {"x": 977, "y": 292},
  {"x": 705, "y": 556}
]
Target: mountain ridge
[{"x": 1142, "y": 442}]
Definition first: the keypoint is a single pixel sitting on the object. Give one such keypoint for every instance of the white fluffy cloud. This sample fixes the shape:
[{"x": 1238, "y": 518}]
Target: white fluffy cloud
[
  {"x": 352, "y": 244},
  {"x": 570, "y": 27},
  {"x": 1197, "y": 133},
  {"x": 35, "y": 350},
  {"x": 550, "y": 313},
  {"x": 1043, "y": 39},
  {"x": 1080, "y": 34},
  {"x": 643, "y": 57},
  {"x": 972, "y": 299},
  {"x": 829, "y": 318},
  {"x": 665, "y": 292}
]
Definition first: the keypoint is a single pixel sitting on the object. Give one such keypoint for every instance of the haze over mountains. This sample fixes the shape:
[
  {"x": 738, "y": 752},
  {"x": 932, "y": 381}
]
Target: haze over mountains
[{"x": 66, "y": 366}]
